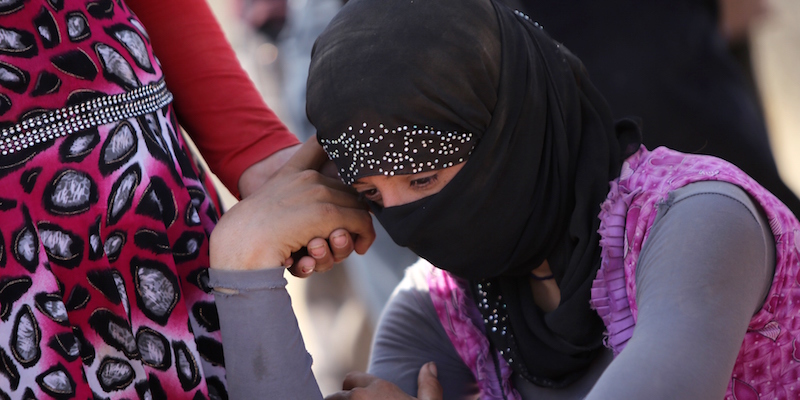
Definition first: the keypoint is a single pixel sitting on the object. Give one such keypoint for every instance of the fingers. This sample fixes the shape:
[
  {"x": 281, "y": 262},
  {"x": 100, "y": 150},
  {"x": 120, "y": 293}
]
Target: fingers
[
  {"x": 341, "y": 244},
  {"x": 322, "y": 254},
  {"x": 309, "y": 156},
  {"x": 364, "y": 241},
  {"x": 323, "y": 257},
  {"x": 357, "y": 379},
  {"x": 339, "y": 224},
  {"x": 428, "y": 384},
  {"x": 339, "y": 396},
  {"x": 317, "y": 187},
  {"x": 284, "y": 216},
  {"x": 363, "y": 386},
  {"x": 303, "y": 267},
  {"x": 359, "y": 225}
]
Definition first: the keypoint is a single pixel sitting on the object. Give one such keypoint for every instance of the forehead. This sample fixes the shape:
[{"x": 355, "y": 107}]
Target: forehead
[{"x": 377, "y": 149}]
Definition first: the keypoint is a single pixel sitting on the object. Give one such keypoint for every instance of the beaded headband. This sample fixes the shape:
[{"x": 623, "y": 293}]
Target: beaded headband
[{"x": 365, "y": 150}]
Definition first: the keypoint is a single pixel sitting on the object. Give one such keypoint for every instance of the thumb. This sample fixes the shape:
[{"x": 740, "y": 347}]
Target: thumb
[{"x": 428, "y": 383}]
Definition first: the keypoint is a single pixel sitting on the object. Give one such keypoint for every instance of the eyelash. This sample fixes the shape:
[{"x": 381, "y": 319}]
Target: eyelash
[
  {"x": 416, "y": 184},
  {"x": 365, "y": 195},
  {"x": 421, "y": 183}
]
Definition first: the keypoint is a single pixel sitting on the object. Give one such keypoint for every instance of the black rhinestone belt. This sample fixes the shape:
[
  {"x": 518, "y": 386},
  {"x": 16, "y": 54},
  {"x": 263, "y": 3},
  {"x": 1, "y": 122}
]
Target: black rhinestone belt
[{"x": 89, "y": 114}]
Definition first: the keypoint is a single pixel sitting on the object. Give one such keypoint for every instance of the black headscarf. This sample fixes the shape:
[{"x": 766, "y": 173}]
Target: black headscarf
[{"x": 541, "y": 143}]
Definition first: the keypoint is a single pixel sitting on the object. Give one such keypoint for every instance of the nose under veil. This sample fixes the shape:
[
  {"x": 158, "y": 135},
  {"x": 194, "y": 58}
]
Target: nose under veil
[{"x": 392, "y": 79}]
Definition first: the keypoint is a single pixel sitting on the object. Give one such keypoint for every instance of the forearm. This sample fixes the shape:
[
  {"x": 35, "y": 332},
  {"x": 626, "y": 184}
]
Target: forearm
[
  {"x": 264, "y": 349},
  {"x": 257, "y": 174},
  {"x": 215, "y": 100}
]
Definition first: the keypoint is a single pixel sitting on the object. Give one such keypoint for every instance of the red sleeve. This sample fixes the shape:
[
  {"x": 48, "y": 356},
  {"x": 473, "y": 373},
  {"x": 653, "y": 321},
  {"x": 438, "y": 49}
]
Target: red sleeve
[{"x": 216, "y": 102}]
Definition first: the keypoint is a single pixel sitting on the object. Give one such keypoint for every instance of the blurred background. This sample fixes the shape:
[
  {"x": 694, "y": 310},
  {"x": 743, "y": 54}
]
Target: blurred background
[{"x": 337, "y": 310}]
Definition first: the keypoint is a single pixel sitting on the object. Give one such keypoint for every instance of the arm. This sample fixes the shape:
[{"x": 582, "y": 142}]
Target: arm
[
  {"x": 264, "y": 349},
  {"x": 704, "y": 272},
  {"x": 363, "y": 386},
  {"x": 409, "y": 335},
  {"x": 295, "y": 206},
  {"x": 215, "y": 100},
  {"x": 737, "y": 17}
]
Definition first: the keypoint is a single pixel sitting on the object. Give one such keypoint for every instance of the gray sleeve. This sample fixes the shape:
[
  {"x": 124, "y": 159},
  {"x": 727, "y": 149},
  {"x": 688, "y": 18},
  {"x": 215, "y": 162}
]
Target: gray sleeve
[
  {"x": 409, "y": 335},
  {"x": 705, "y": 269},
  {"x": 264, "y": 350}
]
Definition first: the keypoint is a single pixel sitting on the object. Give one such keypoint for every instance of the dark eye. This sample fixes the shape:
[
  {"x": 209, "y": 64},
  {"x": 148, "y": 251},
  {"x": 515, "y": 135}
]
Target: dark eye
[
  {"x": 371, "y": 194},
  {"x": 424, "y": 182}
]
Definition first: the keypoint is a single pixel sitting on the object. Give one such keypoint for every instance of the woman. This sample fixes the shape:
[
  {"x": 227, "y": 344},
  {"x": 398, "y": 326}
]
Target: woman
[
  {"x": 480, "y": 144},
  {"x": 105, "y": 218}
]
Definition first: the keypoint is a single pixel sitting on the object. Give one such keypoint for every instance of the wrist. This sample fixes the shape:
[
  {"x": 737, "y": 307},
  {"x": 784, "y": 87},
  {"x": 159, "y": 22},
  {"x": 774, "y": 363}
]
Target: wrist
[
  {"x": 257, "y": 174},
  {"x": 237, "y": 255},
  {"x": 242, "y": 267},
  {"x": 233, "y": 265}
]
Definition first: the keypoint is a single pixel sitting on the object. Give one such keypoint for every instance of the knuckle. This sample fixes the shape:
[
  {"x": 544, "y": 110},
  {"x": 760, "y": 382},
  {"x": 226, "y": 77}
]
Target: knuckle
[
  {"x": 383, "y": 386},
  {"x": 328, "y": 210},
  {"x": 316, "y": 242},
  {"x": 350, "y": 376},
  {"x": 307, "y": 175},
  {"x": 319, "y": 191},
  {"x": 366, "y": 218}
]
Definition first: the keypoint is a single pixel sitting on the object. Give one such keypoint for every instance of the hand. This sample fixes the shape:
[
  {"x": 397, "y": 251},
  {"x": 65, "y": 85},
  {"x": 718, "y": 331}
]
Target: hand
[
  {"x": 363, "y": 386},
  {"x": 736, "y": 17},
  {"x": 295, "y": 206},
  {"x": 319, "y": 254},
  {"x": 259, "y": 173},
  {"x": 265, "y": 16}
]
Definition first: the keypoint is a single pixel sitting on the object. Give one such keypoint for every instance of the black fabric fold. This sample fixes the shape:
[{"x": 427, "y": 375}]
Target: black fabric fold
[{"x": 546, "y": 148}]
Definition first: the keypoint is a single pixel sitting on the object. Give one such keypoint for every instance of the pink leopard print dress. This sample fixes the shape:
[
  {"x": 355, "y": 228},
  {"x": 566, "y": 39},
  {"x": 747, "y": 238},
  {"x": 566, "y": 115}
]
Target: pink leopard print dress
[{"x": 104, "y": 219}]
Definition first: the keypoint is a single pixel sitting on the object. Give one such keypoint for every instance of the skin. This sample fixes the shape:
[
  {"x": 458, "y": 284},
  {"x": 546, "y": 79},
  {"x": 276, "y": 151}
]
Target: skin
[
  {"x": 738, "y": 17},
  {"x": 389, "y": 191},
  {"x": 282, "y": 217},
  {"x": 546, "y": 293},
  {"x": 322, "y": 253},
  {"x": 295, "y": 206},
  {"x": 363, "y": 386}
]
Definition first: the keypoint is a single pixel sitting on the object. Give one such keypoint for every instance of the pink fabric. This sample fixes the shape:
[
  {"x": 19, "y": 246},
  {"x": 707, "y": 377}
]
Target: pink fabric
[
  {"x": 216, "y": 103},
  {"x": 767, "y": 364},
  {"x": 104, "y": 232},
  {"x": 609, "y": 295},
  {"x": 453, "y": 306}
]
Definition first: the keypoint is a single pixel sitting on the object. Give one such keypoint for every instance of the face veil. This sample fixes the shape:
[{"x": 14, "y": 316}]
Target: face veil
[{"x": 540, "y": 147}]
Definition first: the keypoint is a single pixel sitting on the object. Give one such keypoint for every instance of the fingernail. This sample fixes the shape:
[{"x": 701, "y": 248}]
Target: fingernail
[
  {"x": 339, "y": 240},
  {"x": 432, "y": 368},
  {"x": 317, "y": 251},
  {"x": 308, "y": 270}
]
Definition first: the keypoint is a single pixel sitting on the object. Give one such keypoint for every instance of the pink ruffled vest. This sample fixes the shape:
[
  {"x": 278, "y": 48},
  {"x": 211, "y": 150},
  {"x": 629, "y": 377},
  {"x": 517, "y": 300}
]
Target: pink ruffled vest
[{"x": 768, "y": 364}]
